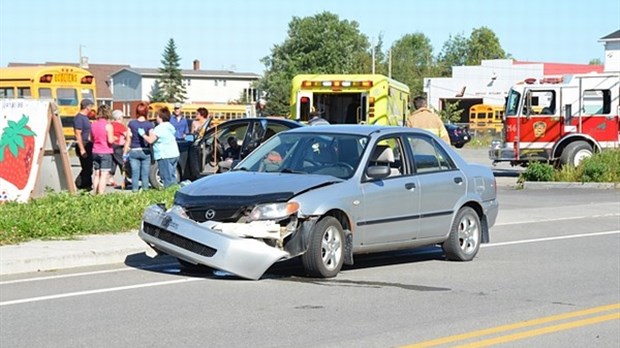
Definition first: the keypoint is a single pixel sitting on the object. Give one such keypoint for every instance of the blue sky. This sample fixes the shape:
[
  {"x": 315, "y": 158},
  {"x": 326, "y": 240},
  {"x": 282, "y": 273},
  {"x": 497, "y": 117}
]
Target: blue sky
[{"x": 236, "y": 34}]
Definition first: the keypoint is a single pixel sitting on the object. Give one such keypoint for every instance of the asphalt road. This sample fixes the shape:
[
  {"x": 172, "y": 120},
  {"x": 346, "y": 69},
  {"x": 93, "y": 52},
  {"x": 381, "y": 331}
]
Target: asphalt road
[{"x": 550, "y": 277}]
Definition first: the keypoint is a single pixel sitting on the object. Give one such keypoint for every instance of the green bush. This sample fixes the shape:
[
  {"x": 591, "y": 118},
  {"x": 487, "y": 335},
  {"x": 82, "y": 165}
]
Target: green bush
[
  {"x": 537, "y": 171},
  {"x": 65, "y": 216},
  {"x": 601, "y": 167}
]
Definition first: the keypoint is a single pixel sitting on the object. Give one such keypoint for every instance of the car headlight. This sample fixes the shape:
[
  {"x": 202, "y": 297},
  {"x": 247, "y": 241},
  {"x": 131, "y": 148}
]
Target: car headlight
[{"x": 273, "y": 211}]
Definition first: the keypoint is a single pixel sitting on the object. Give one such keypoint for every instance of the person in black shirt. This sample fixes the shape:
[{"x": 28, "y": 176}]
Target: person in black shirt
[{"x": 230, "y": 154}]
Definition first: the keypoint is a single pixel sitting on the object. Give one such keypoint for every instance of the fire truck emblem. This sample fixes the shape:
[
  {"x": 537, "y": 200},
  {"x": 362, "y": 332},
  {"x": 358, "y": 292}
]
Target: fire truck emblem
[{"x": 539, "y": 129}]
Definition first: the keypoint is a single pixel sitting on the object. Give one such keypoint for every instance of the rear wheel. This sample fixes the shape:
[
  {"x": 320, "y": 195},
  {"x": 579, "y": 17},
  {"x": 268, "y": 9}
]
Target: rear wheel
[
  {"x": 325, "y": 254},
  {"x": 155, "y": 179},
  {"x": 465, "y": 236},
  {"x": 575, "y": 152}
]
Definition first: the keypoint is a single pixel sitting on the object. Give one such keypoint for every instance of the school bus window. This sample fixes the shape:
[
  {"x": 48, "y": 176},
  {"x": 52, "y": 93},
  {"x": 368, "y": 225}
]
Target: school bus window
[
  {"x": 7, "y": 92},
  {"x": 67, "y": 96},
  {"x": 45, "y": 93},
  {"x": 23, "y": 92},
  {"x": 88, "y": 94}
]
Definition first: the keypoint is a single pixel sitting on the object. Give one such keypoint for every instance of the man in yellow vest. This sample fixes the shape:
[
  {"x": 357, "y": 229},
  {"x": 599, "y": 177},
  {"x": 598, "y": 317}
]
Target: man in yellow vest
[{"x": 425, "y": 118}]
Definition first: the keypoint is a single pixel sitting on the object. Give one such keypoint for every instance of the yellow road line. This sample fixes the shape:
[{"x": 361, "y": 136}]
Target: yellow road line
[
  {"x": 514, "y": 326},
  {"x": 542, "y": 331}
]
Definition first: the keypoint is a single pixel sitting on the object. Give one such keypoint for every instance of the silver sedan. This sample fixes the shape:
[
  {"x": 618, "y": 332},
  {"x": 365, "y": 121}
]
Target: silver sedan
[{"x": 326, "y": 193}]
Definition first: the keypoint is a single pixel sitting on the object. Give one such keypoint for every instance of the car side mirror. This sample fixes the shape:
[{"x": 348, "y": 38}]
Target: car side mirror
[{"x": 378, "y": 172}]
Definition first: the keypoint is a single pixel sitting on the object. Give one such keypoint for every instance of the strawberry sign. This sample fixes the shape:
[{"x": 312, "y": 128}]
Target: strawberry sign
[{"x": 23, "y": 124}]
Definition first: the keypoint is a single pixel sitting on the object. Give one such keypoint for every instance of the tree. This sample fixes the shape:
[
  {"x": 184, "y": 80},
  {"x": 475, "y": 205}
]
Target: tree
[
  {"x": 483, "y": 44},
  {"x": 321, "y": 44},
  {"x": 453, "y": 53},
  {"x": 450, "y": 112},
  {"x": 169, "y": 87},
  {"x": 458, "y": 50},
  {"x": 595, "y": 61},
  {"x": 364, "y": 59},
  {"x": 412, "y": 59}
]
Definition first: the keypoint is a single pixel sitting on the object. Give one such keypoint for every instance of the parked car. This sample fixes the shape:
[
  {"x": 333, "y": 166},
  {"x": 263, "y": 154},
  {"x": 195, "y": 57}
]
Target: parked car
[
  {"x": 459, "y": 135},
  {"x": 206, "y": 154},
  {"x": 326, "y": 193}
]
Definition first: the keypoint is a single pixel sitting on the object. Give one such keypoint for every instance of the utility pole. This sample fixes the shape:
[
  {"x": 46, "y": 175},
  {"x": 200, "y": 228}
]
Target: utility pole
[
  {"x": 83, "y": 62},
  {"x": 390, "y": 63},
  {"x": 373, "y": 55}
]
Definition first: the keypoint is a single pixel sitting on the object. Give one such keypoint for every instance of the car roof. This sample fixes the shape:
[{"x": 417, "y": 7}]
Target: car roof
[
  {"x": 288, "y": 122},
  {"x": 356, "y": 129}
]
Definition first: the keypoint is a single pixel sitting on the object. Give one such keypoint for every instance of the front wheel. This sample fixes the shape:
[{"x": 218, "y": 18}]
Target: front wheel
[
  {"x": 465, "y": 236},
  {"x": 575, "y": 152},
  {"x": 325, "y": 255}
]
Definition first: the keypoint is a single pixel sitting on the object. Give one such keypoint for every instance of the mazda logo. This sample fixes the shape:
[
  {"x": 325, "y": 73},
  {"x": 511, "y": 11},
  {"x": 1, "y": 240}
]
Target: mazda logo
[{"x": 210, "y": 214}]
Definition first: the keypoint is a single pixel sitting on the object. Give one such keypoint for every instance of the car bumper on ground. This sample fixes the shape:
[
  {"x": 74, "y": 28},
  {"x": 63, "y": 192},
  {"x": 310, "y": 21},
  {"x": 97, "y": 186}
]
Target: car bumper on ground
[{"x": 224, "y": 246}]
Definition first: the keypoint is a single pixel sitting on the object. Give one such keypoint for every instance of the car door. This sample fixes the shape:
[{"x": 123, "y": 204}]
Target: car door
[
  {"x": 390, "y": 205},
  {"x": 441, "y": 185}
]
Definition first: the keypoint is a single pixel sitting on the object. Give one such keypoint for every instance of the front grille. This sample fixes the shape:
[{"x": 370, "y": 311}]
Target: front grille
[
  {"x": 222, "y": 214},
  {"x": 179, "y": 241}
]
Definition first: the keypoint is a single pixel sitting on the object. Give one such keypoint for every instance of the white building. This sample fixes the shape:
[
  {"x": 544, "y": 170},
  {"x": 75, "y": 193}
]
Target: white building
[
  {"x": 133, "y": 85},
  {"x": 489, "y": 82},
  {"x": 612, "y": 51}
]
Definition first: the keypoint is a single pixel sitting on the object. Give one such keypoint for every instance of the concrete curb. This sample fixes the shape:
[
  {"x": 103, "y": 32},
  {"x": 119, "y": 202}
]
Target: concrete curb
[
  {"x": 539, "y": 185},
  {"x": 43, "y": 256}
]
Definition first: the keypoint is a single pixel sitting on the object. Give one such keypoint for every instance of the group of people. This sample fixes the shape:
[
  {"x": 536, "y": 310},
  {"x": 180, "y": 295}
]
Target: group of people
[
  {"x": 106, "y": 143},
  {"x": 98, "y": 145}
]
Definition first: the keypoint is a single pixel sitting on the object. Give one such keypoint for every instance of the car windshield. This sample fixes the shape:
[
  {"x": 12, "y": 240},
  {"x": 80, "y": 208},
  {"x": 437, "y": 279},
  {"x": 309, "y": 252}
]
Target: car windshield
[{"x": 307, "y": 153}]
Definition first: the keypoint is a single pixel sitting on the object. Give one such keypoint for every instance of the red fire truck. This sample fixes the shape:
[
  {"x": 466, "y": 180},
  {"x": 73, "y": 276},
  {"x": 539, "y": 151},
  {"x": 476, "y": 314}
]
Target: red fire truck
[{"x": 559, "y": 120}]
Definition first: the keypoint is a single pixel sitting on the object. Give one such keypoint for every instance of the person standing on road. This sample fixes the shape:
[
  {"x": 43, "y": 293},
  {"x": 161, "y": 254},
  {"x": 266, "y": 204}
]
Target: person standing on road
[
  {"x": 137, "y": 149},
  {"x": 103, "y": 138},
  {"x": 119, "y": 131},
  {"x": 165, "y": 148},
  {"x": 84, "y": 146},
  {"x": 426, "y": 119},
  {"x": 199, "y": 128},
  {"x": 181, "y": 126}
]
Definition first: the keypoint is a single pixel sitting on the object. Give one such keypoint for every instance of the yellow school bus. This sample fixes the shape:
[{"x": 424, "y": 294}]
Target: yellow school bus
[
  {"x": 350, "y": 99},
  {"x": 484, "y": 117},
  {"x": 66, "y": 85},
  {"x": 220, "y": 112}
]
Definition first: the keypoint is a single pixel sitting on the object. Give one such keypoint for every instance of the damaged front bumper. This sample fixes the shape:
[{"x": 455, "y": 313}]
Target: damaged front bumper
[{"x": 232, "y": 247}]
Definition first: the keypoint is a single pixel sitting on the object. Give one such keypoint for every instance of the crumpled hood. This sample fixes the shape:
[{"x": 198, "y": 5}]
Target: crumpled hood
[{"x": 264, "y": 187}]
